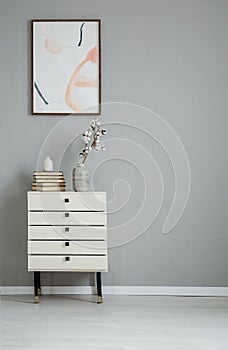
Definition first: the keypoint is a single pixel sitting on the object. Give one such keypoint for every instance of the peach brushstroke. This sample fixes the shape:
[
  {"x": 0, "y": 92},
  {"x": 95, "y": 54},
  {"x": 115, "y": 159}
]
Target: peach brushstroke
[
  {"x": 83, "y": 81},
  {"x": 92, "y": 55},
  {"x": 52, "y": 46},
  {"x": 80, "y": 81}
]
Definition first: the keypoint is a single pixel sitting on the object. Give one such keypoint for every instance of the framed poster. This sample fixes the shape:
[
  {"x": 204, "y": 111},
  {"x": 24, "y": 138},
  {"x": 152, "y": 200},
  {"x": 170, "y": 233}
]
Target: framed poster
[{"x": 66, "y": 67}]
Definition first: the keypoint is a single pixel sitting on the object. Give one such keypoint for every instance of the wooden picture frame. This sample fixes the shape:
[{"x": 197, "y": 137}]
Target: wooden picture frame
[{"x": 66, "y": 67}]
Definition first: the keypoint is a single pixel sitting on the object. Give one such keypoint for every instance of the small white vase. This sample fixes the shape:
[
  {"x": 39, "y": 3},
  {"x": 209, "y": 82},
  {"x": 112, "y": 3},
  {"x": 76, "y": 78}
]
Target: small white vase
[
  {"x": 80, "y": 178},
  {"x": 48, "y": 164}
]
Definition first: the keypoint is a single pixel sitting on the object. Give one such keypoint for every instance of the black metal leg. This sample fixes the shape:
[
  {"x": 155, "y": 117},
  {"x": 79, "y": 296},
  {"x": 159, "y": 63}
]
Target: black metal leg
[
  {"x": 36, "y": 296},
  {"x": 99, "y": 290},
  {"x": 39, "y": 286}
]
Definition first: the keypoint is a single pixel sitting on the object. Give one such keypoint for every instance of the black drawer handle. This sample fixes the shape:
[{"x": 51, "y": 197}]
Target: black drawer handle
[
  {"x": 67, "y": 244},
  {"x": 67, "y": 258},
  {"x": 67, "y": 215},
  {"x": 67, "y": 229},
  {"x": 67, "y": 200}
]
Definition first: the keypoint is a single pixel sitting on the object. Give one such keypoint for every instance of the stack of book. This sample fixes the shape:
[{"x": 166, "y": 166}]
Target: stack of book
[{"x": 48, "y": 181}]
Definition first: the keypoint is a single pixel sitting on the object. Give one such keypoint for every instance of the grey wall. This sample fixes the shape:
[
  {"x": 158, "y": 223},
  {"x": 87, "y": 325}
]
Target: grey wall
[{"x": 168, "y": 56}]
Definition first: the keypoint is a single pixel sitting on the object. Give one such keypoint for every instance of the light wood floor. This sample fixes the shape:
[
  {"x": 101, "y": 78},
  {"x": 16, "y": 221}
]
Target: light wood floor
[{"x": 121, "y": 322}]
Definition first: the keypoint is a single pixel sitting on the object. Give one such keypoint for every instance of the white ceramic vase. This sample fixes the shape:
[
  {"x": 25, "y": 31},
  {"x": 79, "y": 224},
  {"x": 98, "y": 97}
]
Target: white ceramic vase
[
  {"x": 80, "y": 178},
  {"x": 48, "y": 164}
]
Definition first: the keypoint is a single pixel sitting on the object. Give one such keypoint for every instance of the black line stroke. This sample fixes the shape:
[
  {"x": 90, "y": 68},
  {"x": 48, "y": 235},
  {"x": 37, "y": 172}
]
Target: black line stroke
[
  {"x": 40, "y": 94},
  {"x": 80, "y": 40}
]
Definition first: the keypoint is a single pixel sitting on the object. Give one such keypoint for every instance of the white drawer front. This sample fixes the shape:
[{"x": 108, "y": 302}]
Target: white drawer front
[
  {"x": 60, "y": 218},
  {"x": 67, "y": 232},
  {"x": 58, "y": 263},
  {"x": 67, "y": 247},
  {"x": 66, "y": 201}
]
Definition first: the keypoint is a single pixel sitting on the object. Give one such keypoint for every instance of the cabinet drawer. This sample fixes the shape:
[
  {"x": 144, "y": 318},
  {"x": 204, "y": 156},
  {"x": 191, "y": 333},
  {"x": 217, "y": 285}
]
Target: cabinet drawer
[
  {"x": 68, "y": 218},
  {"x": 67, "y": 247},
  {"x": 67, "y": 232},
  {"x": 58, "y": 263},
  {"x": 66, "y": 201}
]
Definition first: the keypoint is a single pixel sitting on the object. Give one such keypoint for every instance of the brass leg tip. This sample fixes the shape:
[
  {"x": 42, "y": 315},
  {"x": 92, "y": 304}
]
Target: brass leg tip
[
  {"x": 36, "y": 300},
  {"x": 99, "y": 300},
  {"x": 39, "y": 291}
]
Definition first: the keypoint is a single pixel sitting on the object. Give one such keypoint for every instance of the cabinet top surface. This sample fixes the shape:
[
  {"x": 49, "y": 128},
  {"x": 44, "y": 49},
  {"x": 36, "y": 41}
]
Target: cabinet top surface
[{"x": 65, "y": 192}]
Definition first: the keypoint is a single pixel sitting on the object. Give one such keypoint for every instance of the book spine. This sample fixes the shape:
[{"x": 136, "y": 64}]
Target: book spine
[{"x": 49, "y": 173}]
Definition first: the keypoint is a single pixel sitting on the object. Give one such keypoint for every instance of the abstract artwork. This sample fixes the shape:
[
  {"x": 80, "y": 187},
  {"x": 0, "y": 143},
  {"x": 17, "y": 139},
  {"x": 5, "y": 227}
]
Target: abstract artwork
[{"x": 66, "y": 72}]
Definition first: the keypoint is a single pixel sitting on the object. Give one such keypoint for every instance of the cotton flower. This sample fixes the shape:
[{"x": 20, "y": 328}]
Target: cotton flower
[{"x": 92, "y": 139}]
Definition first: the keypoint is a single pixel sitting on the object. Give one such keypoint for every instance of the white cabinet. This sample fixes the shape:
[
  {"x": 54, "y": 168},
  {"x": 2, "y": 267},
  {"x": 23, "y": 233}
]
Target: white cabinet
[{"x": 67, "y": 231}]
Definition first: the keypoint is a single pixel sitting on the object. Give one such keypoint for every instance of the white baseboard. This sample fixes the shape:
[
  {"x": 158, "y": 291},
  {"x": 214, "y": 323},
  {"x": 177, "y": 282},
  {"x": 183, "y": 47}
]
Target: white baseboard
[{"x": 121, "y": 290}]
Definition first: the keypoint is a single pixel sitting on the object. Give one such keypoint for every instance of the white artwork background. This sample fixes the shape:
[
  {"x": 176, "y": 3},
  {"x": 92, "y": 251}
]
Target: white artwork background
[{"x": 52, "y": 71}]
